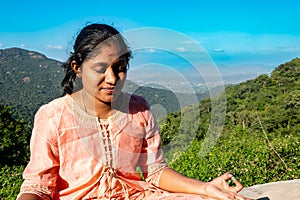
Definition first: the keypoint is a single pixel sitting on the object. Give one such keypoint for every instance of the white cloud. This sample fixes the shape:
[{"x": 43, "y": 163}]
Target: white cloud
[
  {"x": 59, "y": 47},
  {"x": 236, "y": 42},
  {"x": 1, "y": 45},
  {"x": 188, "y": 42},
  {"x": 236, "y": 48},
  {"x": 148, "y": 50},
  {"x": 22, "y": 45},
  {"x": 219, "y": 50},
  {"x": 181, "y": 49}
]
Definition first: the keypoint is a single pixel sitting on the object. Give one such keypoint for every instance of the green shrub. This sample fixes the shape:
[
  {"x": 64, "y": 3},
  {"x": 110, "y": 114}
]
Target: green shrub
[
  {"x": 10, "y": 182},
  {"x": 246, "y": 154}
]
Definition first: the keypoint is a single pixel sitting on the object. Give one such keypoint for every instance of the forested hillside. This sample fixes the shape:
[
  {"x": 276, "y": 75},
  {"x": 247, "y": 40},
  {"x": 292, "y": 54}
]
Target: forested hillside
[
  {"x": 259, "y": 143},
  {"x": 29, "y": 79}
]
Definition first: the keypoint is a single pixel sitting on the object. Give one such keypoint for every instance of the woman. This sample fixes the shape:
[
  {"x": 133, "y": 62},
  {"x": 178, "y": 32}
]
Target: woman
[{"x": 88, "y": 143}]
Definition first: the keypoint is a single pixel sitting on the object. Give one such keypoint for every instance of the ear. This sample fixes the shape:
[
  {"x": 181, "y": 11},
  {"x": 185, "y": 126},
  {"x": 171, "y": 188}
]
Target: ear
[{"x": 76, "y": 68}]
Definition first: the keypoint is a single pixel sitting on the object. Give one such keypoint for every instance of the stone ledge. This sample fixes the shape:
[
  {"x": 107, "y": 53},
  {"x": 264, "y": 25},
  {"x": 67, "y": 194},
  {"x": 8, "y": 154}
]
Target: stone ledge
[{"x": 282, "y": 190}]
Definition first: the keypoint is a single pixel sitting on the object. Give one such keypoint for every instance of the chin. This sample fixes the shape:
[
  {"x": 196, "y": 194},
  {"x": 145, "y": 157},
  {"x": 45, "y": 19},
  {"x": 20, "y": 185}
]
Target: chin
[{"x": 111, "y": 100}]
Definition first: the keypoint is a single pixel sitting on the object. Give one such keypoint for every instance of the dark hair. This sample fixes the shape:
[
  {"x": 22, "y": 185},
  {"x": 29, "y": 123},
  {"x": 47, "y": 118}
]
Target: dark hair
[{"x": 87, "y": 40}]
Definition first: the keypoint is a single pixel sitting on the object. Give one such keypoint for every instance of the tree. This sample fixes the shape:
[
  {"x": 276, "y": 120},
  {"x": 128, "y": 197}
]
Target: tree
[{"x": 14, "y": 142}]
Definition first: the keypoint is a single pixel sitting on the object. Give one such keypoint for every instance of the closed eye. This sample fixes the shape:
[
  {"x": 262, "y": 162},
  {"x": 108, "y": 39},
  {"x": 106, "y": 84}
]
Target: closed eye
[
  {"x": 118, "y": 67},
  {"x": 100, "y": 67}
]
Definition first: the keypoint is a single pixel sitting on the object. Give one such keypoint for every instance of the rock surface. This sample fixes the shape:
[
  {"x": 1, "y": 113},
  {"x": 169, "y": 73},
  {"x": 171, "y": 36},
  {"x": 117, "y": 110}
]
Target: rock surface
[{"x": 282, "y": 190}]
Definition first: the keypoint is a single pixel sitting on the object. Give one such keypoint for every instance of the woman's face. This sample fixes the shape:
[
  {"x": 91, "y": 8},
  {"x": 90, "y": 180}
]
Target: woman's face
[{"x": 104, "y": 74}]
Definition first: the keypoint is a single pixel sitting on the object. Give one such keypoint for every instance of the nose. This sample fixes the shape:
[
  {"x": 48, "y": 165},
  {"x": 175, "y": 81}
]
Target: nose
[{"x": 110, "y": 76}]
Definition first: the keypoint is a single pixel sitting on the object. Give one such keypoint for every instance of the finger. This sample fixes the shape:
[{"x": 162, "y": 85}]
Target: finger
[
  {"x": 238, "y": 186},
  {"x": 219, "y": 193},
  {"x": 241, "y": 197},
  {"x": 226, "y": 176}
]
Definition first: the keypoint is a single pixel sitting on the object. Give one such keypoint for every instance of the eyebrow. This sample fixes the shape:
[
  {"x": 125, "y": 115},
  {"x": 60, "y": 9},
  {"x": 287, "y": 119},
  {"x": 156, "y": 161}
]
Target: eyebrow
[
  {"x": 101, "y": 64},
  {"x": 104, "y": 64}
]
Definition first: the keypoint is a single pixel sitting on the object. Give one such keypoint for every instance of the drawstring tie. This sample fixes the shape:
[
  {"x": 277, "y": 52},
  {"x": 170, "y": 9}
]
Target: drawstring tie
[{"x": 108, "y": 179}]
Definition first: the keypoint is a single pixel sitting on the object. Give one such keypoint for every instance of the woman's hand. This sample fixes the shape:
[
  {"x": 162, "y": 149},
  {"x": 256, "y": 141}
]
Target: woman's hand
[{"x": 219, "y": 188}]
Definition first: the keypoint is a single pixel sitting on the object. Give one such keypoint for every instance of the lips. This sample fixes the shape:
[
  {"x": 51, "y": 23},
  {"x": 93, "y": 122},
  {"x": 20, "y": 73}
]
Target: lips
[{"x": 109, "y": 90}]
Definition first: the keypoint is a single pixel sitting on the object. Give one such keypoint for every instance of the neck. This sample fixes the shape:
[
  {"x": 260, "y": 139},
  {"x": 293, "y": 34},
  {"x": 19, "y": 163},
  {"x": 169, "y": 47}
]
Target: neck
[{"x": 95, "y": 108}]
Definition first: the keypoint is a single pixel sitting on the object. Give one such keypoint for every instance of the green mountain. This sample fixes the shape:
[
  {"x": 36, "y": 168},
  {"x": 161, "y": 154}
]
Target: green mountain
[
  {"x": 260, "y": 137},
  {"x": 29, "y": 79},
  {"x": 259, "y": 141}
]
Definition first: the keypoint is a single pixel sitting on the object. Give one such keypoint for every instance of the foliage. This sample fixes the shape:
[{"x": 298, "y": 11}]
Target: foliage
[
  {"x": 10, "y": 182},
  {"x": 261, "y": 133},
  {"x": 247, "y": 155},
  {"x": 14, "y": 142},
  {"x": 260, "y": 140},
  {"x": 28, "y": 79},
  {"x": 14, "y": 152}
]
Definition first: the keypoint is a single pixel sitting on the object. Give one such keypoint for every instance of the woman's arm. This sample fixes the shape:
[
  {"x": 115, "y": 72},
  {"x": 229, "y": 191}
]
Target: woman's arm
[
  {"x": 41, "y": 172},
  {"x": 173, "y": 181},
  {"x": 29, "y": 196}
]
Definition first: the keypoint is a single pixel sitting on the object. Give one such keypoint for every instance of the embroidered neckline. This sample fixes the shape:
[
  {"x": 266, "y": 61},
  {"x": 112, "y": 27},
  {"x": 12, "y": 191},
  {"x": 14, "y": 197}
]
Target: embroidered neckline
[{"x": 80, "y": 114}]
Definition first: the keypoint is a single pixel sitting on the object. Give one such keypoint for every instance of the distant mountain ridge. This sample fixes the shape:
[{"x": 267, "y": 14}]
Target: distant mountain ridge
[
  {"x": 275, "y": 98},
  {"x": 29, "y": 79}
]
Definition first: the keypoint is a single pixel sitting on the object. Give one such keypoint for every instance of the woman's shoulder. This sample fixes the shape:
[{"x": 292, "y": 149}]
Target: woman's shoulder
[
  {"x": 57, "y": 102},
  {"x": 140, "y": 100},
  {"x": 135, "y": 103},
  {"x": 53, "y": 106}
]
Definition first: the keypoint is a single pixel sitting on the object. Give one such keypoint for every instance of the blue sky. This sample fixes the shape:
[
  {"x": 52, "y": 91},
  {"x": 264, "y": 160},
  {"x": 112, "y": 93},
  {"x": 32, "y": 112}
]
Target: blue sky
[{"x": 237, "y": 35}]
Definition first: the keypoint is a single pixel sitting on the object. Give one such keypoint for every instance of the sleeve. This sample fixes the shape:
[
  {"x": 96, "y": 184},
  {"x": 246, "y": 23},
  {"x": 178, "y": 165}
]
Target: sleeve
[
  {"x": 41, "y": 173},
  {"x": 152, "y": 161}
]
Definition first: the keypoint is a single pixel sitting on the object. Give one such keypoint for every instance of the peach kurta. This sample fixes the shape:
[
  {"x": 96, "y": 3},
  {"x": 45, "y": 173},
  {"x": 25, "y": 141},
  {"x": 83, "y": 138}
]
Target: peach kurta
[{"x": 77, "y": 156}]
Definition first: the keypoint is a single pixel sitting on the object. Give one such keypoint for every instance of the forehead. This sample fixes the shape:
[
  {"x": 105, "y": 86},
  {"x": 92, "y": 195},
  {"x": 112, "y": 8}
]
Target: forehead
[{"x": 110, "y": 50}]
